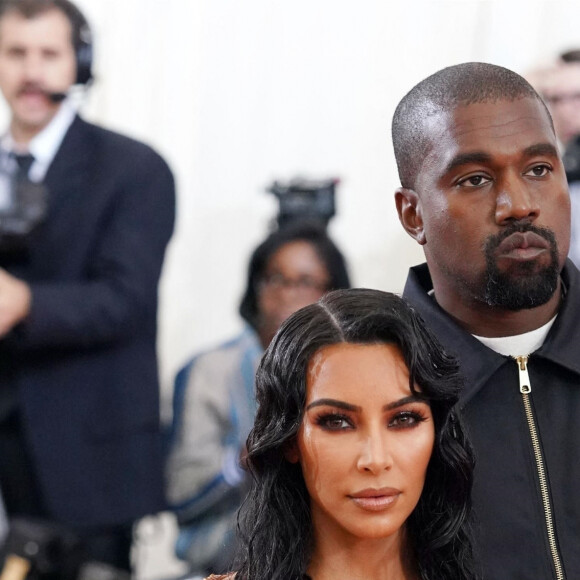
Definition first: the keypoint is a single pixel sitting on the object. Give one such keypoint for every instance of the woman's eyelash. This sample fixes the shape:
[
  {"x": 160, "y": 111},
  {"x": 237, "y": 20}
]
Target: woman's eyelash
[
  {"x": 407, "y": 419},
  {"x": 333, "y": 421},
  {"x": 339, "y": 421}
]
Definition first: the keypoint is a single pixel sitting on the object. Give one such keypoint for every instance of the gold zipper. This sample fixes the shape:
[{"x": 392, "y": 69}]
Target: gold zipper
[{"x": 525, "y": 390}]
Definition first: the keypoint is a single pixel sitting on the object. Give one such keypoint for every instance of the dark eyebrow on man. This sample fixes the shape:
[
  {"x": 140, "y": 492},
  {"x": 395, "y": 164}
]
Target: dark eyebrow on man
[
  {"x": 541, "y": 149},
  {"x": 357, "y": 409},
  {"x": 466, "y": 158}
]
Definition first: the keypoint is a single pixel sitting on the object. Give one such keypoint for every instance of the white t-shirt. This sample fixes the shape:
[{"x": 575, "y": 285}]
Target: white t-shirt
[{"x": 520, "y": 344}]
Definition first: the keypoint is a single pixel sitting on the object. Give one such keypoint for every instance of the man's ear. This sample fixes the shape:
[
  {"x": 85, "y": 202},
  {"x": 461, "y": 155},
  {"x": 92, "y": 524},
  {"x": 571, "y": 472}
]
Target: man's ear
[
  {"x": 292, "y": 453},
  {"x": 409, "y": 210}
]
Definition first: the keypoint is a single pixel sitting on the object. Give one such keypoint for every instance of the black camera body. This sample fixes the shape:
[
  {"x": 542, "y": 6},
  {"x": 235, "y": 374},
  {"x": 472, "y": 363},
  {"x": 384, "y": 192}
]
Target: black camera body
[{"x": 305, "y": 199}]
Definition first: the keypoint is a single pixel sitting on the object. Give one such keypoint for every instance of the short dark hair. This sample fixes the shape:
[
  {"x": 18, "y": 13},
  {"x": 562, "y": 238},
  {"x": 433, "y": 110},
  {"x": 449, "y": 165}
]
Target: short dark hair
[
  {"x": 33, "y": 8},
  {"x": 308, "y": 231},
  {"x": 275, "y": 522},
  {"x": 459, "y": 85}
]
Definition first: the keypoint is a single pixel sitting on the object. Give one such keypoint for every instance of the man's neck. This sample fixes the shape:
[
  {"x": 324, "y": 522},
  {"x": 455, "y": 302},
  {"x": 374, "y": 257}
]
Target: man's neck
[{"x": 478, "y": 318}]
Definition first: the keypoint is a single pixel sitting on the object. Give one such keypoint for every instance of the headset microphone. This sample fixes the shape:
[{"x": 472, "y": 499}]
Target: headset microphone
[{"x": 56, "y": 97}]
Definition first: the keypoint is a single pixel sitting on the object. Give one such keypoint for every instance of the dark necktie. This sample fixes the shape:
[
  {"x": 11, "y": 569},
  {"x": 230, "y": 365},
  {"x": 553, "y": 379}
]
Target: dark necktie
[{"x": 24, "y": 162}]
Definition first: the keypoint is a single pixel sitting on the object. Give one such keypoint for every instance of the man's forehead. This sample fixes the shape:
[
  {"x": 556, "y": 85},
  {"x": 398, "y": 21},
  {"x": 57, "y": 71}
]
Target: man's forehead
[
  {"x": 513, "y": 126},
  {"x": 17, "y": 26},
  {"x": 486, "y": 124}
]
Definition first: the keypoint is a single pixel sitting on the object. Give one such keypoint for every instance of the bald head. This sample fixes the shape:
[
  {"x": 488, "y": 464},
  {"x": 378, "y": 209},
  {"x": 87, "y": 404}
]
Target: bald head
[{"x": 460, "y": 85}]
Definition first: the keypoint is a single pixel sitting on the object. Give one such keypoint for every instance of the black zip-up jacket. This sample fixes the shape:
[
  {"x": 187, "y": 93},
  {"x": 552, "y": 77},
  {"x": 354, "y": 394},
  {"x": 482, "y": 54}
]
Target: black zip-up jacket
[{"x": 522, "y": 418}]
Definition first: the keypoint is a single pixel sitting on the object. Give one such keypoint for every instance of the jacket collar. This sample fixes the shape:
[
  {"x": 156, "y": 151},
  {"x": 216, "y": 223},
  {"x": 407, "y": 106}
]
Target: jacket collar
[
  {"x": 562, "y": 345},
  {"x": 74, "y": 166},
  {"x": 478, "y": 362}
]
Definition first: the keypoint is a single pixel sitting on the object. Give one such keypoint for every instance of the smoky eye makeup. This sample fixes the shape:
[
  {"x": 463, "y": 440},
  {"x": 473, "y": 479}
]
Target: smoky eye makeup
[
  {"x": 407, "y": 419},
  {"x": 398, "y": 418},
  {"x": 334, "y": 421}
]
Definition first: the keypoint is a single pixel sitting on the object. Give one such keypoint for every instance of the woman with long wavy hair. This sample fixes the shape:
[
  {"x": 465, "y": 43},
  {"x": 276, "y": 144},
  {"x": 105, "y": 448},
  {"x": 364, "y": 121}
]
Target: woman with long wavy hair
[{"x": 361, "y": 469}]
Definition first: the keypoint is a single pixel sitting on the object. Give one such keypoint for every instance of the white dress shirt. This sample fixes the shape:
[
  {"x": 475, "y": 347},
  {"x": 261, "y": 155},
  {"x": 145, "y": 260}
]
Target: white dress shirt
[{"x": 42, "y": 147}]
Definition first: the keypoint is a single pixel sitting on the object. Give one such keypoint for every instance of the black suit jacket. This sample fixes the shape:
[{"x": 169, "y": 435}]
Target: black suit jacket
[{"x": 84, "y": 360}]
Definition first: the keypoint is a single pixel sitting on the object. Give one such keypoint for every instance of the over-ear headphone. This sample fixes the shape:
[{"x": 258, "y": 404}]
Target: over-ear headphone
[
  {"x": 82, "y": 40},
  {"x": 84, "y": 54}
]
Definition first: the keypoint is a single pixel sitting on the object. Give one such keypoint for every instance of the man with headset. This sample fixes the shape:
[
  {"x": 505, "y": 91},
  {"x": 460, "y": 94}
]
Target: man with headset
[{"x": 79, "y": 400}]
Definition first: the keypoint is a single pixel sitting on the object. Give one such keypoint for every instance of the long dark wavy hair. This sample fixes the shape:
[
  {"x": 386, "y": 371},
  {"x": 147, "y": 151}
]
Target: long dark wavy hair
[{"x": 275, "y": 522}]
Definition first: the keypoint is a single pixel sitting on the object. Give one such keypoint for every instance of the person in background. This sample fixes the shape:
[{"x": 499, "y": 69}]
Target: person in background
[
  {"x": 214, "y": 402},
  {"x": 559, "y": 86},
  {"x": 80, "y": 436},
  {"x": 483, "y": 190},
  {"x": 360, "y": 468}
]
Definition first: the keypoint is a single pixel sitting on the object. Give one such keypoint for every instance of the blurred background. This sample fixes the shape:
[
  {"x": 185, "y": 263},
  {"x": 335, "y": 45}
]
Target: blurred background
[{"x": 236, "y": 94}]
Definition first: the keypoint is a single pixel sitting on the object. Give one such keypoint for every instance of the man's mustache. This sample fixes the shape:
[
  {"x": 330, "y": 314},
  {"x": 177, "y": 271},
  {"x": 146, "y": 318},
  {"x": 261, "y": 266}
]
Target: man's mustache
[{"x": 32, "y": 88}]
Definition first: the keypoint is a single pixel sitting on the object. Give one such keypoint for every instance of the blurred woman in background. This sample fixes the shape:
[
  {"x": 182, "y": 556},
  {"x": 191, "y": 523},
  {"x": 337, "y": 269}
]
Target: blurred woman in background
[{"x": 214, "y": 402}]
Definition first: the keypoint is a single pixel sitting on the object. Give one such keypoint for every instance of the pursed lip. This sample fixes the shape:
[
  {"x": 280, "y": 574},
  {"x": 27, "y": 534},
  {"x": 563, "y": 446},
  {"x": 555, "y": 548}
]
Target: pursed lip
[
  {"x": 31, "y": 90},
  {"x": 372, "y": 499},
  {"x": 523, "y": 245}
]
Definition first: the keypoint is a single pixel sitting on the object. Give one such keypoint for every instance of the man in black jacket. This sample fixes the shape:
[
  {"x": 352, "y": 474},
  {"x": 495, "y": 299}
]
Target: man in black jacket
[
  {"x": 80, "y": 437},
  {"x": 484, "y": 191}
]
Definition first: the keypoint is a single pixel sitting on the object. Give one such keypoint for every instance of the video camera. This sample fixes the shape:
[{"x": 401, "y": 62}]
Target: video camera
[{"x": 305, "y": 199}]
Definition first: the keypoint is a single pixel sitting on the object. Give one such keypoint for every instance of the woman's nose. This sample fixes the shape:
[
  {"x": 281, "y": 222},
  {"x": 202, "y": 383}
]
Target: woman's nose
[{"x": 375, "y": 455}]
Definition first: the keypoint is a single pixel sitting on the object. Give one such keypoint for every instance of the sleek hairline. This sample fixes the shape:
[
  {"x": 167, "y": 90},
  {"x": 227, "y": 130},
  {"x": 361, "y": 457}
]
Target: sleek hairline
[{"x": 452, "y": 87}]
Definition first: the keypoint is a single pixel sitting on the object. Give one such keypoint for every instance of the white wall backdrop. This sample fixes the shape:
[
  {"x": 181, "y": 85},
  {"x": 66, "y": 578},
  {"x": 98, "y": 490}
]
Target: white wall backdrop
[{"x": 236, "y": 93}]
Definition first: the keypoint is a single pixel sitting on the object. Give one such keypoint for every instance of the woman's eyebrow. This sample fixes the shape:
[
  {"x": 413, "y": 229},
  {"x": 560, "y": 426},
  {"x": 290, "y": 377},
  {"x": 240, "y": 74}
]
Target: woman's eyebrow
[
  {"x": 334, "y": 403},
  {"x": 357, "y": 409},
  {"x": 404, "y": 401}
]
